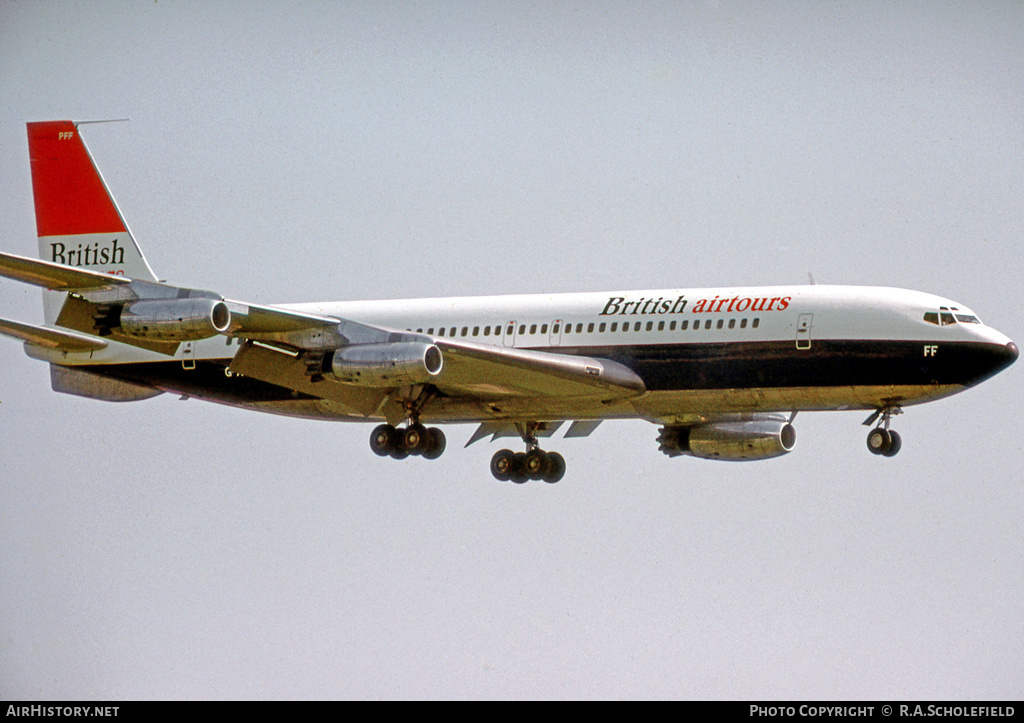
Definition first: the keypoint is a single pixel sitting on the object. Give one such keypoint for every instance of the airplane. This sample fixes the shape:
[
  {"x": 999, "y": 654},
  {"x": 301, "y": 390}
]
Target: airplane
[{"x": 723, "y": 371}]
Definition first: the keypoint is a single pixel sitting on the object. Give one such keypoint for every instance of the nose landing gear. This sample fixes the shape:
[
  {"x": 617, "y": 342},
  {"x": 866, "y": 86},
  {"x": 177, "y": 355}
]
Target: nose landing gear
[{"x": 881, "y": 439}]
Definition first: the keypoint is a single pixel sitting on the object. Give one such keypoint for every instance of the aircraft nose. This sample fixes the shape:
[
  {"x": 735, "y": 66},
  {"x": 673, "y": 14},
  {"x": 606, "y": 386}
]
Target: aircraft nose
[{"x": 983, "y": 361}]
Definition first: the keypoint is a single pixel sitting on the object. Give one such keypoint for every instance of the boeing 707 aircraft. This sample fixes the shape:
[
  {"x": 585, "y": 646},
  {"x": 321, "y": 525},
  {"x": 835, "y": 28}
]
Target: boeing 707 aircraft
[{"x": 722, "y": 371}]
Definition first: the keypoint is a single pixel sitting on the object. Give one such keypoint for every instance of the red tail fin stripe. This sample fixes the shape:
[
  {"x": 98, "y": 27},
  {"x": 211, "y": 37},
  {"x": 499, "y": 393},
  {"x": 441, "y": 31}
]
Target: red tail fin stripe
[{"x": 70, "y": 195}]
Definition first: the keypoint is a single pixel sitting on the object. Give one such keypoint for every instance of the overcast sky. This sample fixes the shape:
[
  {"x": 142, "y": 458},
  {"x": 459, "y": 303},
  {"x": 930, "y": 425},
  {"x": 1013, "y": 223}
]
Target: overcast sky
[{"x": 286, "y": 152}]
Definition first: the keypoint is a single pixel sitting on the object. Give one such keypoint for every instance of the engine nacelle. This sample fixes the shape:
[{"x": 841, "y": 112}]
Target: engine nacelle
[
  {"x": 738, "y": 441},
  {"x": 385, "y": 365},
  {"x": 174, "y": 319}
]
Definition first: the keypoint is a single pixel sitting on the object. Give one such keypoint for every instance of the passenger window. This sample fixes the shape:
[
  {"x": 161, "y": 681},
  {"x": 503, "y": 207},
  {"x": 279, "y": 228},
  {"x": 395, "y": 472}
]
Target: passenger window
[
  {"x": 440, "y": 332},
  {"x": 683, "y": 326},
  {"x": 522, "y": 329},
  {"x": 721, "y": 322},
  {"x": 661, "y": 326},
  {"x": 756, "y": 323},
  {"x": 650, "y": 325},
  {"x": 568, "y": 328},
  {"x": 636, "y": 326},
  {"x": 732, "y": 323},
  {"x": 543, "y": 328},
  {"x": 579, "y": 328},
  {"x": 476, "y": 331},
  {"x": 464, "y": 330},
  {"x": 615, "y": 326},
  {"x": 533, "y": 328},
  {"x": 743, "y": 323},
  {"x": 487, "y": 331},
  {"x": 590, "y": 328},
  {"x": 672, "y": 325},
  {"x": 707, "y": 324},
  {"x": 601, "y": 327}
]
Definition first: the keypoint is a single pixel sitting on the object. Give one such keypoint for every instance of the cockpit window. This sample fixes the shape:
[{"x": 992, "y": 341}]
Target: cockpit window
[{"x": 945, "y": 317}]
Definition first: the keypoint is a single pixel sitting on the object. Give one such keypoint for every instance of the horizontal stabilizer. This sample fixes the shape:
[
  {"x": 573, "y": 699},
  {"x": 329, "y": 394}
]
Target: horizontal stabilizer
[
  {"x": 55, "y": 276},
  {"x": 51, "y": 338}
]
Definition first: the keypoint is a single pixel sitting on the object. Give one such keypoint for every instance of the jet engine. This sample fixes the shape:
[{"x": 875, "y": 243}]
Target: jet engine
[
  {"x": 732, "y": 441},
  {"x": 171, "y": 319},
  {"x": 384, "y": 365}
]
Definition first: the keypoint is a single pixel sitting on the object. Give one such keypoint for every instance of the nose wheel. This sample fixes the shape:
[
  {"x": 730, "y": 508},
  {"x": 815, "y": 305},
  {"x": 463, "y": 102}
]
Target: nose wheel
[
  {"x": 882, "y": 440},
  {"x": 885, "y": 442}
]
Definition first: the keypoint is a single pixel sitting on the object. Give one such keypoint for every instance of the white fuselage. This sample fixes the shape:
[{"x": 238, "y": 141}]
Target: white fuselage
[{"x": 702, "y": 352}]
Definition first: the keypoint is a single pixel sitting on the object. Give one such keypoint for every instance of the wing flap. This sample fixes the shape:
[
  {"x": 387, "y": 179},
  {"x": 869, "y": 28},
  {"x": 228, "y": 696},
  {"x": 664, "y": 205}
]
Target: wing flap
[
  {"x": 50, "y": 337},
  {"x": 269, "y": 323},
  {"x": 485, "y": 371}
]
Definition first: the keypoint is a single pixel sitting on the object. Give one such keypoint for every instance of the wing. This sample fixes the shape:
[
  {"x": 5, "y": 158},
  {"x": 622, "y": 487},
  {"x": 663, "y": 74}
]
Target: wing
[
  {"x": 287, "y": 347},
  {"x": 482, "y": 376}
]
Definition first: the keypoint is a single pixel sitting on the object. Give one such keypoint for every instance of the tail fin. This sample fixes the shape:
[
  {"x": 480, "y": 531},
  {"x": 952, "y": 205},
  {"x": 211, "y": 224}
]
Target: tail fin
[{"x": 76, "y": 218}]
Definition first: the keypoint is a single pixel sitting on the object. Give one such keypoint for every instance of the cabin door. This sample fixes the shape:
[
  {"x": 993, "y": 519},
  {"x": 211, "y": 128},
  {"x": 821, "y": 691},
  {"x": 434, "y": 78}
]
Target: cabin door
[{"x": 803, "y": 331}]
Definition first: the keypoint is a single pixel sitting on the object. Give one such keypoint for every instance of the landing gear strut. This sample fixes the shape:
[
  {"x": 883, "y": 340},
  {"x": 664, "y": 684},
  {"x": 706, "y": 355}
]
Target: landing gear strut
[
  {"x": 533, "y": 464},
  {"x": 881, "y": 439}
]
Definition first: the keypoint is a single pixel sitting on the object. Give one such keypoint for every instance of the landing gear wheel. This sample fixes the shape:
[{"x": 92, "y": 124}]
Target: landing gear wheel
[
  {"x": 435, "y": 444},
  {"x": 535, "y": 464},
  {"x": 519, "y": 474},
  {"x": 502, "y": 464},
  {"x": 383, "y": 440},
  {"x": 556, "y": 468},
  {"x": 895, "y": 443},
  {"x": 879, "y": 440},
  {"x": 415, "y": 439}
]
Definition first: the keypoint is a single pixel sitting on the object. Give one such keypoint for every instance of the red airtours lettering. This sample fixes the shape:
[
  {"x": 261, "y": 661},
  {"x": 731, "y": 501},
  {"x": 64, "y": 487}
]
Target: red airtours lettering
[
  {"x": 85, "y": 255},
  {"x": 741, "y": 304},
  {"x": 617, "y": 305}
]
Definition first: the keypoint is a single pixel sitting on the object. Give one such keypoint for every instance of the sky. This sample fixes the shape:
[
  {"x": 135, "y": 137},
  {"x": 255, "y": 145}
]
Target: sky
[{"x": 315, "y": 151}]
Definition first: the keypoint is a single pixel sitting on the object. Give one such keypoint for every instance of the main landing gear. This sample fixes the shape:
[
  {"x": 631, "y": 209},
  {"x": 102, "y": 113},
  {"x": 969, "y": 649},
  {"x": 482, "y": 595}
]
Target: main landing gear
[
  {"x": 415, "y": 439},
  {"x": 881, "y": 439},
  {"x": 533, "y": 464}
]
